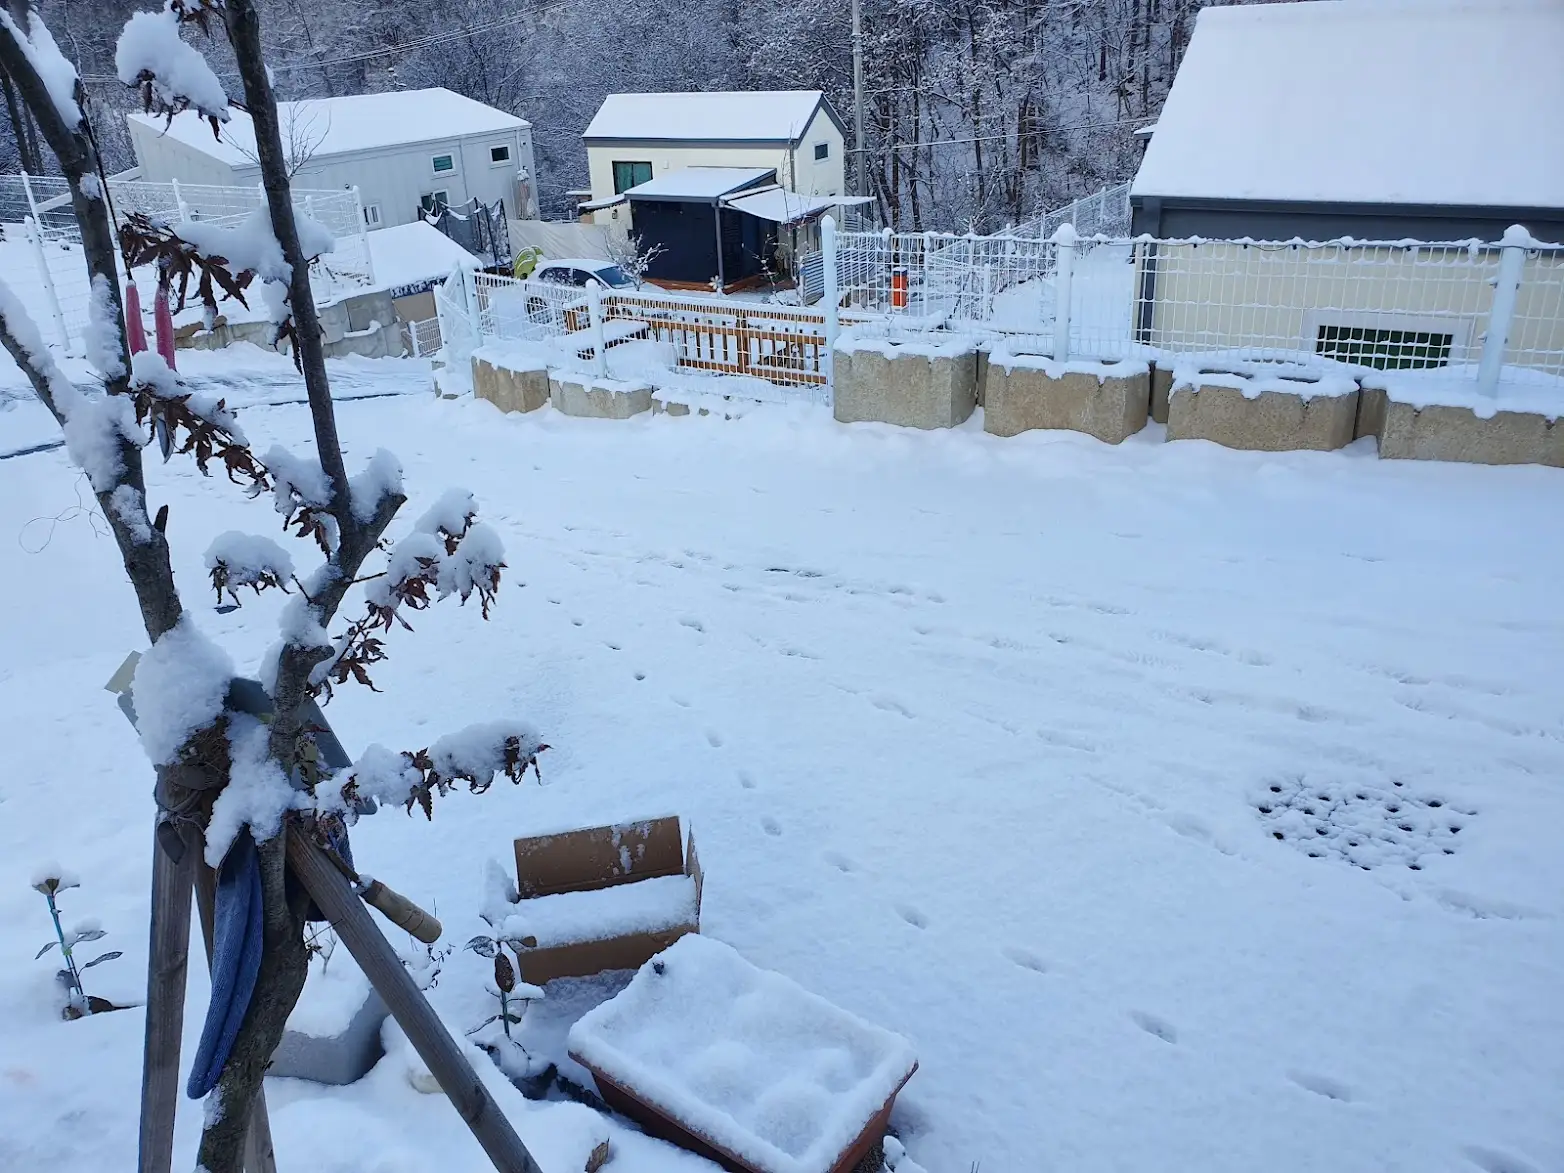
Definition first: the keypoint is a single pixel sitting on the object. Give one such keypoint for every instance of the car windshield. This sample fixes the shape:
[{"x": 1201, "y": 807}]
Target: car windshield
[{"x": 612, "y": 275}]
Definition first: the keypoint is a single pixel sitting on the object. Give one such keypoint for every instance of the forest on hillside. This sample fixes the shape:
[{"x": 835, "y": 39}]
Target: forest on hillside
[{"x": 978, "y": 113}]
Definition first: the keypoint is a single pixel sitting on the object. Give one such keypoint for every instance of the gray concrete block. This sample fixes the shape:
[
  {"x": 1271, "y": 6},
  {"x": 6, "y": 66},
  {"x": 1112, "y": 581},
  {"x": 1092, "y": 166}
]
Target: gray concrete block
[
  {"x": 384, "y": 341},
  {"x": 1372, "y": 402},
  {"x": 1110, "y": 403},
  {"x": 365, "y": 308},
  {"x": 1161, "y": 390},
  {"x": 334, "y": 322},
  {"x": 509, "y": 390},
  {"x": 336, "y": 1059},
  {"x": 1457, "y": 433},
  {"x": 606, "y": 399},
  {"x": 1272, "y": 421},
  {"x": 920, "y": 384}
]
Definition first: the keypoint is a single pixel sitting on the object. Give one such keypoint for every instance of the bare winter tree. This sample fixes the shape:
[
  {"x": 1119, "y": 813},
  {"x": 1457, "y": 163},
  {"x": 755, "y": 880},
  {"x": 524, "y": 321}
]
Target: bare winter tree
[
  {"x": 631, "y": 255},
  {"x": 220, "y": 772}
]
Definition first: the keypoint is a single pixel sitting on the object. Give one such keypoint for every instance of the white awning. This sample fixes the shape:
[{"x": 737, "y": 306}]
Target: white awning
[{"x": 788, "y": 207}]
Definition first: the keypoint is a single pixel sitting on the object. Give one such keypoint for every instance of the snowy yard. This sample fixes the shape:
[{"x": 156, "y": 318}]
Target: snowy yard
[{"x": 1186, "y": 809}]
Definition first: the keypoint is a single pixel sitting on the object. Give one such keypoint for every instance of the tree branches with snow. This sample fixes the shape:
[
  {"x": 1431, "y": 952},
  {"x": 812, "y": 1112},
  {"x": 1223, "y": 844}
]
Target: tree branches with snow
[{"x": 214, "y": 763}]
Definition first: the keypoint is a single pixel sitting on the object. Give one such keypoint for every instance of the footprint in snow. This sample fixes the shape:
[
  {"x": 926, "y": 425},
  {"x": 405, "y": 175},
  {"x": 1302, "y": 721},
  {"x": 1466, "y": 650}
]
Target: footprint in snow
[
  {"x": 771, "y": 827},
  {"x": 1153, "y": 1025},
  {"x": 640, "y": 675},
  {"x": 745, "y": 780},
  {"x": 1026, "y": 959},
  {"x": 1322, "y": 1085},
  {"x": 890, "y": 705},
  {"x": 713, "y": 739},
  {"x": 1494, "y": 1161},
  {"x": 912, "y": 916},
  {"x": 692, "y": 623},
  {"x": 840, "y": 862},
  {"x": 681, "y": 701}
]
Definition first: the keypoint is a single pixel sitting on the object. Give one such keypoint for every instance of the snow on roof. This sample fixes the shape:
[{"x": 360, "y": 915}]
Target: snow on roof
[
  {"x": 788, "y": 207},
  {"x": 335, "y": 126},
  {"x": 1367, "y": 101},
  {"x": 414, "y": 254},
  {"x": 719, "y": 116},
  {"x": 700, "y": 183}
]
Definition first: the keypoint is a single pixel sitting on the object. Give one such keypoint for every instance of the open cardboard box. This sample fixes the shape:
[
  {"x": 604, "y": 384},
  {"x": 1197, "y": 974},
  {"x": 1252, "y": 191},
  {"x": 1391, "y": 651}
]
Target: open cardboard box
[{"x": 621, "y": 930}]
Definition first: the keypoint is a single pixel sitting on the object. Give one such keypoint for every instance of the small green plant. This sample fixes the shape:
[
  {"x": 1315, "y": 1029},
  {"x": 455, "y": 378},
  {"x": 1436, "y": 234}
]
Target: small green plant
[
  {"x": 505, "y": 980},
  {"x": 51, "y": 883}
]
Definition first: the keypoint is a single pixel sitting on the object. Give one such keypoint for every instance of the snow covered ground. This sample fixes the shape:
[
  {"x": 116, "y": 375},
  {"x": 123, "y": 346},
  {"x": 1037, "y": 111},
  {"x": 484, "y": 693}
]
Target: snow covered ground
[{"x": 1186, "y": 809}]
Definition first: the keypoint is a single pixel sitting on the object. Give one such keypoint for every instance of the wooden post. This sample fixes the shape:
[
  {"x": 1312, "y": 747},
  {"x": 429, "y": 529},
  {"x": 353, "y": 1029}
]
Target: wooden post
[
  {"x": 168, "y": 954},
  {"x": 424, "y": 1030},
  {"x": 742, "y": 338}
]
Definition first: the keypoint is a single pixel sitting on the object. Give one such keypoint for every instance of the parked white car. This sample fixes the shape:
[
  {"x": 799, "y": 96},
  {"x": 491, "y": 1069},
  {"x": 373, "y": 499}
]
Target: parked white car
[{"x": 583, "y": 272}]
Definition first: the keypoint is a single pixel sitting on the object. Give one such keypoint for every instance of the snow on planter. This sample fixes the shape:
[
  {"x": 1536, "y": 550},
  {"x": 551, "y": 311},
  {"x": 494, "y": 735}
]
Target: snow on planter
[
  {"x": 597, "y": 898},
  {"x": 1262, "y": 407},
  {"x": 741, "y": 1064}
]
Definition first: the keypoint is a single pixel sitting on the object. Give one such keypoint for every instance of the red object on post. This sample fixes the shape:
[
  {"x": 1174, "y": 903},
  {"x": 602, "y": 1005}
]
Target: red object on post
[
  {"x": 899, "y": 289},
  {"x": 135, "y": 329},
  {"x": 163, "y": 320}
]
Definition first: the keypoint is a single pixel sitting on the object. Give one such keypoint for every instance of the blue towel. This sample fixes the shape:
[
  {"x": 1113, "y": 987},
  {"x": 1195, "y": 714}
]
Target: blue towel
[
  {"x": 236, "y": 955},
  {"x": 236, "y": 961}
]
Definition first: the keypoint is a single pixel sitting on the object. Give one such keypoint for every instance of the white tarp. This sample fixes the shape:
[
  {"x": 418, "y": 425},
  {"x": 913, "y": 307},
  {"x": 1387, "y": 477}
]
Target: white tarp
[{"x": 588, "y": 241}]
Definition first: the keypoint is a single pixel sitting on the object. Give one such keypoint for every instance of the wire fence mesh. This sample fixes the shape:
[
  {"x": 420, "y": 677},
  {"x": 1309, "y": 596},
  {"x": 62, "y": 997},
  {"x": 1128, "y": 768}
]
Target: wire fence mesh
[{"x": 58, "y": 274}]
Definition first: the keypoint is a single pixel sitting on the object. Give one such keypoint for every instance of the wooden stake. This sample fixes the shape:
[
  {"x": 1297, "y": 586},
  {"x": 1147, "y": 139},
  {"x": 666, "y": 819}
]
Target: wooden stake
[
  {"x": 356, "y": 928},
  {"x": 168, "y": 955}
]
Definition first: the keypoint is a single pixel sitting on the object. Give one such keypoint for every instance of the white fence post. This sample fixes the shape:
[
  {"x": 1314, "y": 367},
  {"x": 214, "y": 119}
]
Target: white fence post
[
  {"x": 470, "y": 292},
  {"x": 363, "y": 235},
  {"x": 1512, "y": 262},
  {"x": 179, "y": 200},
  {"x": 1064, "y": 267},
  {"x": 32, "y": 204},
  {"x": 833, "y": 297},
  {"x": 35, "y": 230},
  {"x": 599, "y": 339}
]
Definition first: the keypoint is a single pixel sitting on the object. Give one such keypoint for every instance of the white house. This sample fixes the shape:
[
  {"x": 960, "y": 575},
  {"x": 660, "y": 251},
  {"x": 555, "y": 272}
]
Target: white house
[
  {"x": 402, "y": 150},
  {"x": 634, "y": 138}
]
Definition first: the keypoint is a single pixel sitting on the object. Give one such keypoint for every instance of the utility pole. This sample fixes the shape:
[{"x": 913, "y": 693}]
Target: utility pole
[{"x": 862, "y": 174}]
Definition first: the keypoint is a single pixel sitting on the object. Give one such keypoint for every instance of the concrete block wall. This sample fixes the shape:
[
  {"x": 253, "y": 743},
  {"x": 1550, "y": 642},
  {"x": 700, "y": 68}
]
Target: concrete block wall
[
  {"x": 1025, "y": 392},
  {"x": 1262, "y": 409},
  {"x": 924, "y": 381}
]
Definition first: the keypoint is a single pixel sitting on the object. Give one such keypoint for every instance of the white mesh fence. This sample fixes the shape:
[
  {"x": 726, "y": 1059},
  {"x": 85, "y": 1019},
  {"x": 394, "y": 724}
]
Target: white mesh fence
[
  {"x": 345, "y": 270},
  {"x": 1368, "y": 304}
]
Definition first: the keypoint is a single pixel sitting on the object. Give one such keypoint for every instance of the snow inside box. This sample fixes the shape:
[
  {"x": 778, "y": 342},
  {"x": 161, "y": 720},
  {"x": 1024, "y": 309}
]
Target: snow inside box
[
  {"x": 741, "y": 1064},
  {"x": 600, "y": 898}
]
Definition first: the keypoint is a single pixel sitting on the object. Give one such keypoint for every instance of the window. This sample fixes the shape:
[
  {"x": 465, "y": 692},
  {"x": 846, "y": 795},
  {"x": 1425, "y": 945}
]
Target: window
[
  {"x": 1385, "y": 349},
  {"x": 499, "y": 154},
  {"x": 372, "y": 215},
  {"x": 822, "y": 151},
  {"x": 435, "y": 201},
  {"x": 443, "y": 164},
  {"x": 628, "y": 175}
]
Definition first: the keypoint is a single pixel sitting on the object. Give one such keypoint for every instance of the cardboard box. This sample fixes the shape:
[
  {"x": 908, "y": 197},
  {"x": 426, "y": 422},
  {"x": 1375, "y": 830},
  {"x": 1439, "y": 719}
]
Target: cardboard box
[{"x": 603, "y": 859}]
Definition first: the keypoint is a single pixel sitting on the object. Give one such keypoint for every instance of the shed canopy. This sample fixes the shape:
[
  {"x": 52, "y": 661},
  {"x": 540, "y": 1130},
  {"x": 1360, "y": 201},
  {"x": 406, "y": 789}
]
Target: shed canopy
[
  {"x": 773, "y": 116},
  {"x": 1410, "y": 102},
  {"x": 788, "y": 207},
  {"x": 701, "y": 184}
]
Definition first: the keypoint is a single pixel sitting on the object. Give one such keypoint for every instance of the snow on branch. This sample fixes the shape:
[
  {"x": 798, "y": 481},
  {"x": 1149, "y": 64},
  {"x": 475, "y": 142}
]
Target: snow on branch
[
  {"x": 380, "y": 480},
  {"x": 447, "y": 554},
  {"x": 476, "y": 755},
  {"x": 104, "y": 339},
  {"x": 172, "y": 74},
  {"x": 258, "y": 793},
  {"x": 53, "y": 69},
  {"x": 180, "y": 687},
  {"x": 303, "y": 497},
  {"x": 237, "y": 559}
]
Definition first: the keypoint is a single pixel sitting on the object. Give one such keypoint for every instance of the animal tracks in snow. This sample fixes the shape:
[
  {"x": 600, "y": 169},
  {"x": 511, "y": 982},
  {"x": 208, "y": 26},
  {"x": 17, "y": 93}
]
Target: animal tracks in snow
[
  {"x": 1154, "y": 1026},
  {"x": 1494, "y": 1161},
  {"x": 1321, "y": 1085},
  {"x": 1025, "y": 958},
  {"x": 912, "y": 916}
]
